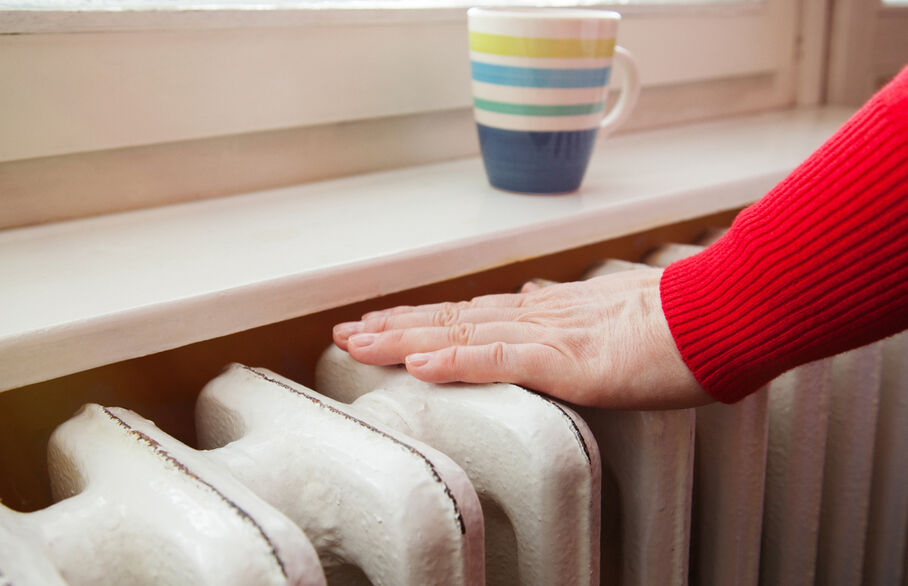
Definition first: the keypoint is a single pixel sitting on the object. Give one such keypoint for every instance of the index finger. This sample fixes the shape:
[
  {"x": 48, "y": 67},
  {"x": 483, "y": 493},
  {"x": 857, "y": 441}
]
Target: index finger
[{"x": 495, "y": 300}]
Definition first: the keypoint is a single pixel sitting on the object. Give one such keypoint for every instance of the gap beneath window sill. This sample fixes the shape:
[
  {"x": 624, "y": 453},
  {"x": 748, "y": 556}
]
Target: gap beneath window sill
[{"x": 90, "y": 292}]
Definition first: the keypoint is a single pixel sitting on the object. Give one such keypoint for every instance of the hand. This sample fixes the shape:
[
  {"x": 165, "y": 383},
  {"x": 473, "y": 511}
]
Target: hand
[{"x": 602, "y": 342}]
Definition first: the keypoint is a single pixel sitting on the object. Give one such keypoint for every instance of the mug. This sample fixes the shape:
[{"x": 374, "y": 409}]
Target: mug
[{"x": 540, "y": 84}]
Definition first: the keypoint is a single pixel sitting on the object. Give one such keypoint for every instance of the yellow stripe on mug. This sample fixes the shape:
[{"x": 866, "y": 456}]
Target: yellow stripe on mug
[{"x": 541, "y": 47}]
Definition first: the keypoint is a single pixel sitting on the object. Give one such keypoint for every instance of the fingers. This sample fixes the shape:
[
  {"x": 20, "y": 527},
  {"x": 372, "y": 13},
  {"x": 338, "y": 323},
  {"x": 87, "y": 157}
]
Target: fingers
[
  {"x": 392, "y": 346},
  {"x": 529, "y": 365},
  {"x": 496, "y": 300},
  {"x": 448, "y": 315},
  {"x": 480, "y": 310},
  {"x": 487, "y": 308}
]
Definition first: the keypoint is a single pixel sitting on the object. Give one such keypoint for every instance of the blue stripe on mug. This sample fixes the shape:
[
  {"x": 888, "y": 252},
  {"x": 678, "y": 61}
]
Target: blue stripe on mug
[{"x": 535, "y": 77}]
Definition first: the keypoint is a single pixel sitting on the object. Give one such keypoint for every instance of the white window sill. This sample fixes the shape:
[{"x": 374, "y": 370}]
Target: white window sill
[{"x": 85, "y": 293}]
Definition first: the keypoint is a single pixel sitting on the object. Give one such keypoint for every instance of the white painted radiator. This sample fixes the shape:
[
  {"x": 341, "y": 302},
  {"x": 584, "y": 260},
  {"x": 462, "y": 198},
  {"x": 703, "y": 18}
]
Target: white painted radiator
[{"x": 375, "y": 477}]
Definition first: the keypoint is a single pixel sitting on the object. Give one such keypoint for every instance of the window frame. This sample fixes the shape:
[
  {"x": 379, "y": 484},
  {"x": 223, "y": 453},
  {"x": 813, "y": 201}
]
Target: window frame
[
  {"x": 868, "y": 47},
  {"x": 89, "y": 81}
]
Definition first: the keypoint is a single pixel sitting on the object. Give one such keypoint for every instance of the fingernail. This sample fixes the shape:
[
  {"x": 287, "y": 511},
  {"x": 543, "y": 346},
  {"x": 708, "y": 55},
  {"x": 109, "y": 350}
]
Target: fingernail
[
  {"x": 349, "y": 328},
  {"x": 362, "y": 340},
  {"x": 418, "y": 360},
  {"x": 378, "y": 313}
]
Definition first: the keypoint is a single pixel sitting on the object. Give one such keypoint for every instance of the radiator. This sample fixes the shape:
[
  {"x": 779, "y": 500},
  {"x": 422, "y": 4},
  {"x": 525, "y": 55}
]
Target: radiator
[{"x": 375, "y": 477}]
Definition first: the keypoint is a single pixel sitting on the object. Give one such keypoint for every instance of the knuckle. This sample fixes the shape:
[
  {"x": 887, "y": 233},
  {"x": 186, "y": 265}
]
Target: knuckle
[
  {"x": 376, "y": 324},
  {"x": 498, "y": 354},
  {"x": 462, "y": 334},
  {"x": 393, "y": 337},
  {"x": 537, "y": 317},
  {"x": 454, "y": 358},
  {"x": 448, "y": 315}
]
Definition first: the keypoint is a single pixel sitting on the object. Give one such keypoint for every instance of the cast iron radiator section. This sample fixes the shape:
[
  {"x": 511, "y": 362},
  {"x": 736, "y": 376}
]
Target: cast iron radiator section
[{"x": 375, "y": 477}]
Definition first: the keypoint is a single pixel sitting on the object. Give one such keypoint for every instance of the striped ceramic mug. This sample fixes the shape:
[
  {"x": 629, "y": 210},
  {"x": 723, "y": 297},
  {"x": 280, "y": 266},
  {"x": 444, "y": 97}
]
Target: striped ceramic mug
[{"x": 540, "y": 83}]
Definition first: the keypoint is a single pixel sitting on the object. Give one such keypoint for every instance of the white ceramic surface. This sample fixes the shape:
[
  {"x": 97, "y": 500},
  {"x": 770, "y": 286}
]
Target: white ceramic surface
[
  {"x": 533, "y": 462},
  {"x": 135, "y": 506},
  {"x": 367, "y": 496},
  {"x": 595, "y": 29}
]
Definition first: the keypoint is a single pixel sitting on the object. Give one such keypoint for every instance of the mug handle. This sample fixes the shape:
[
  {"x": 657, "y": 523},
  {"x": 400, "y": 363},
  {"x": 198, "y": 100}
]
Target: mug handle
[{"x": 630, "y": 91}]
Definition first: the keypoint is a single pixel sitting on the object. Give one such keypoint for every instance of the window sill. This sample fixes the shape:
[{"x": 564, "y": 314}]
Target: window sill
[{"x": 90, "y": 292}]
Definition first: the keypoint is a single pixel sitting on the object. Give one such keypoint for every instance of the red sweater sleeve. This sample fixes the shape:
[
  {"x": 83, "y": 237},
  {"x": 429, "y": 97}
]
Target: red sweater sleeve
[{"x": 816, "y": 267}]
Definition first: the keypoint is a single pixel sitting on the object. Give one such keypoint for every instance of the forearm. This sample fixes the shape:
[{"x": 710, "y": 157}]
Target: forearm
[{"x": 818, "y": 266}]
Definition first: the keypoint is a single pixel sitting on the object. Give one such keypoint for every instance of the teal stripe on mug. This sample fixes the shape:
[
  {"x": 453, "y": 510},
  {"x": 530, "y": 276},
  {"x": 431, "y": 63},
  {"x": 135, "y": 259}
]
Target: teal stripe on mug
[
  {"x": 538, "y": 109},
  {"x": 537, "y": 77}
]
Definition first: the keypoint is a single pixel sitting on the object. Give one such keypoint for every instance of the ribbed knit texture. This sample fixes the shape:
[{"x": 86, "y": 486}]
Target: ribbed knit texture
[{"x": 816, "y": 267}]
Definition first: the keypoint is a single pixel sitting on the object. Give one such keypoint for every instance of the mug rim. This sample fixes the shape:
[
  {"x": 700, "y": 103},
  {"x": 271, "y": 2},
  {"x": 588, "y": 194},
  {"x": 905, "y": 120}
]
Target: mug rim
[{"x": 543, "y": 13}]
